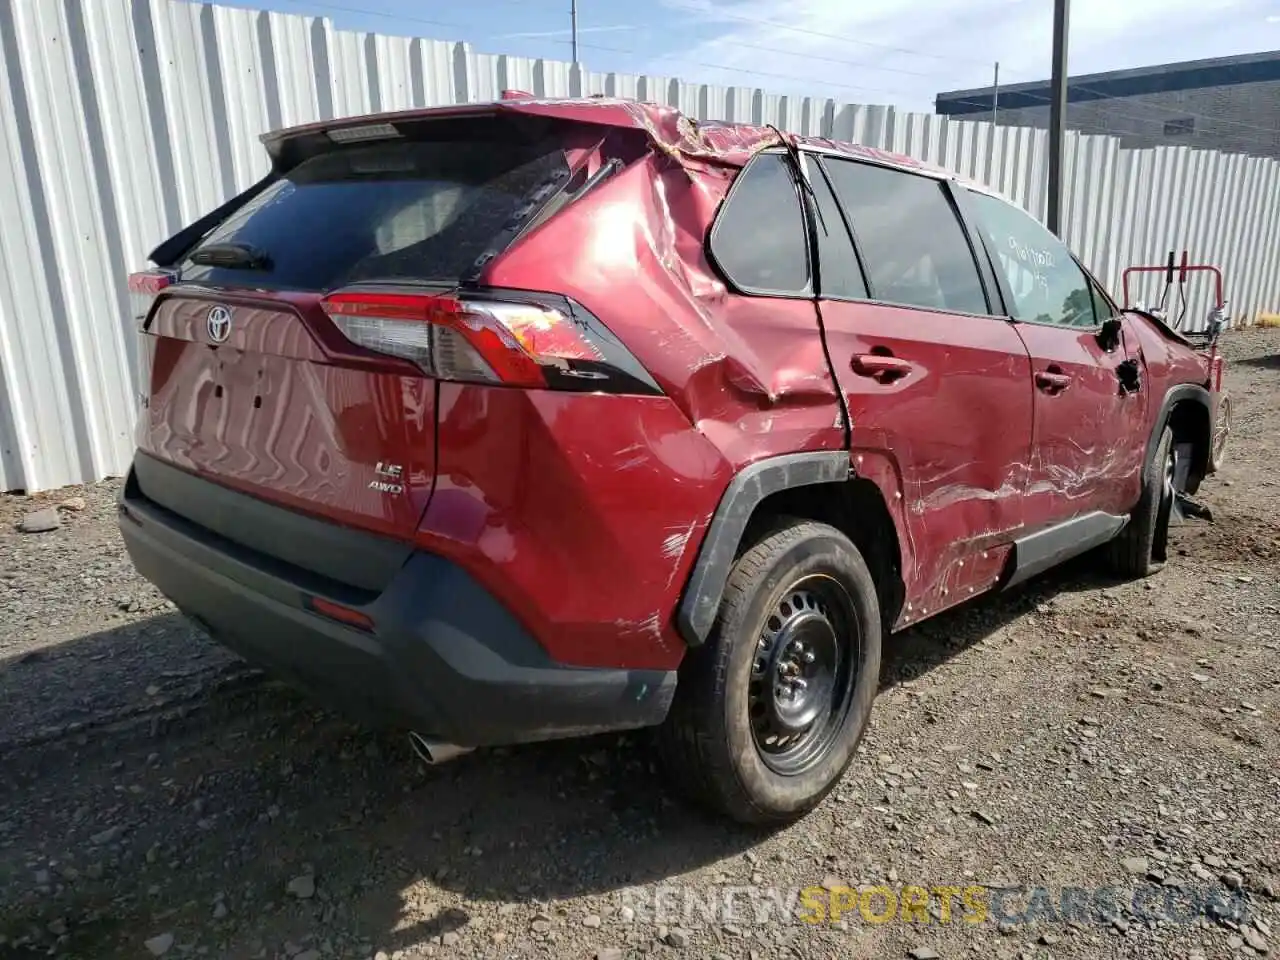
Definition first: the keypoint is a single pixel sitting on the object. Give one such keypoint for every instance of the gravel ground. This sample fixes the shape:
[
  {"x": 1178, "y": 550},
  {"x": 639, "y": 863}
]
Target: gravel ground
[{"x": 160, "y": 798}]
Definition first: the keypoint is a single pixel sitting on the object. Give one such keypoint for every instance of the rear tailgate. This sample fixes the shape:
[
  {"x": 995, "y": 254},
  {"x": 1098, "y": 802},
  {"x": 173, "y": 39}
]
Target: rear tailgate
[
  {"x": 270, "y": 412},
  {"x": 251, "y": 382}
]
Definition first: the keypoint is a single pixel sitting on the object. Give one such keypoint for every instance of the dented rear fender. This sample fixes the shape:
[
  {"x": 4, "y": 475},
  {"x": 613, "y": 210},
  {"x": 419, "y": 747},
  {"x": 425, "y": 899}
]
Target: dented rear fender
[{"x": 747, "y": 372}]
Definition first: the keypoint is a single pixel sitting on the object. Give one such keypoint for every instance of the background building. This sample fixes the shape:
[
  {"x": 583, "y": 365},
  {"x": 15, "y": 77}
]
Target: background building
[{"x": 1230, "y": 104}]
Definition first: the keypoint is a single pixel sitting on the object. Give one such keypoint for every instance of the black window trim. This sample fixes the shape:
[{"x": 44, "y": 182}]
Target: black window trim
[
  {"x": 810, "y": 270},
  {"x": 812, "y": 162},
  {"x": 1002, "y": 282},
  {"x": 984, "y": 280},
  {"x": 986, "y": 270},
  {"x": 1097, "y": 285}
]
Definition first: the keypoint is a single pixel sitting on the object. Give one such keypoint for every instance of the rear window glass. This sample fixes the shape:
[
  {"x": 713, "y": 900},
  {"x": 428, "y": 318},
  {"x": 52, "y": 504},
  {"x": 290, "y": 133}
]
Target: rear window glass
[{"x": 408, "y": 210}]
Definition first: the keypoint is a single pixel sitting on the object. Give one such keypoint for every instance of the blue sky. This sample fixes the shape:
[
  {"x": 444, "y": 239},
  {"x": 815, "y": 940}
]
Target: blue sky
[{"x": 863, "y": 51}]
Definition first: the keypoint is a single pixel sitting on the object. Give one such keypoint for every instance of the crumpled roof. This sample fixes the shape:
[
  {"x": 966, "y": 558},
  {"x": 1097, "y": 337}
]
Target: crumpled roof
[{"x": 711, "y": 141}]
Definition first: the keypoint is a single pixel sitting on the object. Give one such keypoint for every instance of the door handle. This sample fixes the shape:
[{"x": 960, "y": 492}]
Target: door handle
[
  {"x": 880, "y": 367},
  {"x": 1050, "y": 381}
]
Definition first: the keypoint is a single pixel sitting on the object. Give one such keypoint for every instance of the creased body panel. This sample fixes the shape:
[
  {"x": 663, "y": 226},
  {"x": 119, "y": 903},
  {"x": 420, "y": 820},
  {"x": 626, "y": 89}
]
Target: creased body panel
[
  {"x": 582, "y": 511},
  {"x": 955, "y": 429},
  {"x": 1089, "y": 436},
  {"x": 749, "y": 372},
  {"x": 686, "y": 141},
  {"x": 268, "y": 413}
]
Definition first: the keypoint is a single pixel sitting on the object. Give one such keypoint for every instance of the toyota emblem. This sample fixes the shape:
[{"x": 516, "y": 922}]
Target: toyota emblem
[{"x": 218, "y": 324}]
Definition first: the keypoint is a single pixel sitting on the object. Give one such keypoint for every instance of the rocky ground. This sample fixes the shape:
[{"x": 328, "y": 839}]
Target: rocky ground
[{"x": 159, "y": 798}]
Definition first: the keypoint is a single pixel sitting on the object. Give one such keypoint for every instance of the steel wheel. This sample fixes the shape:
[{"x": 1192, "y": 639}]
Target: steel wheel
[
  {"x": 1221, "y": 432},
  {"x": 807, "y": 661},
  {"x": 1167, "y": 510}
]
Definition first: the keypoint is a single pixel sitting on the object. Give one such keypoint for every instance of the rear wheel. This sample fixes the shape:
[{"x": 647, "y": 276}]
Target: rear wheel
[
  {"x": 1140, "y": 549},
  {"x": 769, "y": 711}
]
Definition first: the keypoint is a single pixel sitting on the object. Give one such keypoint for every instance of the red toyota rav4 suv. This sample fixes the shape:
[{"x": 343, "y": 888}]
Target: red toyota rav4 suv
[{"x": 534, "y": 419}]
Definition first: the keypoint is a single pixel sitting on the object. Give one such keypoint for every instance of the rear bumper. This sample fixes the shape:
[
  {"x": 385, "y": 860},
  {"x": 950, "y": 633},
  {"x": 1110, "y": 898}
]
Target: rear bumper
[{"x": 444, "y": 657}]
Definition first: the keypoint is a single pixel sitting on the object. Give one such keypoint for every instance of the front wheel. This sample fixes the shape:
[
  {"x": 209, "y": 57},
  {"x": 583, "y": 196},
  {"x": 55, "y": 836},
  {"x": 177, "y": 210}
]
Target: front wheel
[
  {"x": 1141, "y": 548},
  {"x": 1221, "y": 434},
  {"x": 769, "y": 711}
]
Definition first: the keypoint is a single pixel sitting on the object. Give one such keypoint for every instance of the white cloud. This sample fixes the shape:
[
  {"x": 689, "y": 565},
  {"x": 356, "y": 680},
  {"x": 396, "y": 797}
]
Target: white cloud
[{"x": 854, "y": 50}]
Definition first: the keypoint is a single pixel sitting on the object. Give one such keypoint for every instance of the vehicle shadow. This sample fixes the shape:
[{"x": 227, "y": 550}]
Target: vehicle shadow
[
  {"x": 1265, "y": 362},
  {"x": 249, "y": 785}
]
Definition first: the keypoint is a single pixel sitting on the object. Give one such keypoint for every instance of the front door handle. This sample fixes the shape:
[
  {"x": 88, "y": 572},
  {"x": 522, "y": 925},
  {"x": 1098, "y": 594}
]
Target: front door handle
[
  {"x": 880, "y": 367},
  {"x": 1051, "y": 381}
]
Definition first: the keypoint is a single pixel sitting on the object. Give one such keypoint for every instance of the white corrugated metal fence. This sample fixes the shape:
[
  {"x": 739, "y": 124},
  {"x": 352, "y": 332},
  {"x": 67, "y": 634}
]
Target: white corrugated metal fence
[{"x": 121, "y": 120}]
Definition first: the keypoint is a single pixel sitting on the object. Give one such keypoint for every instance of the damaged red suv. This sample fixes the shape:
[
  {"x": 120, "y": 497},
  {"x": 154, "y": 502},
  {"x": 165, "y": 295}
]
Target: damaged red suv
[{"x": 535, "y": 419}]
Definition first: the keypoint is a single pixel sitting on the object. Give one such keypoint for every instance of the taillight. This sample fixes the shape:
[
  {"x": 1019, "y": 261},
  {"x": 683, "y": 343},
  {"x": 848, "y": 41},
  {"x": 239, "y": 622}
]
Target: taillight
[
  {"x": 144, "y": 287},
  {"x": 518, "y": 343}
]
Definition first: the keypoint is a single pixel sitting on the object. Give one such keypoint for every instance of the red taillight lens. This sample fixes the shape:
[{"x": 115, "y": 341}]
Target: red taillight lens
[
  {"x": 144, "y": 287},
  {"x": 488, "y": 341}
]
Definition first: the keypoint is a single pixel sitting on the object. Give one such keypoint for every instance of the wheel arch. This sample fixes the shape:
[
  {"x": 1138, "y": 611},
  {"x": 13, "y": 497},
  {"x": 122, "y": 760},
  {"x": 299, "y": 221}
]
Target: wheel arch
[
  {"x": 811, "y": 486},
  {"x": 1187, "y": 409}
]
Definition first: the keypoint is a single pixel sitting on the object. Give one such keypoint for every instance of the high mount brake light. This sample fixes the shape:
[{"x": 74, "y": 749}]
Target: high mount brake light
[
  {"x": 144, "y": 287},
  {"x": 485, "y": 340}
]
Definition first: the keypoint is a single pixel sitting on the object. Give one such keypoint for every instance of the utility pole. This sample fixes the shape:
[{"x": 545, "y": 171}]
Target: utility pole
[
  {"x": 1057, "y": 115},
  {"x": 995, "y": 96},
  {"x": 573, "y": 27}
]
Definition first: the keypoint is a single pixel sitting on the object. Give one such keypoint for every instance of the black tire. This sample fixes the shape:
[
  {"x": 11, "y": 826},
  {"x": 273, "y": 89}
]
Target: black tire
[
  {"x": 1221, "y": 435},
  {"x": 807, "y": 585},
  {"x": 1140, "y": 549}
]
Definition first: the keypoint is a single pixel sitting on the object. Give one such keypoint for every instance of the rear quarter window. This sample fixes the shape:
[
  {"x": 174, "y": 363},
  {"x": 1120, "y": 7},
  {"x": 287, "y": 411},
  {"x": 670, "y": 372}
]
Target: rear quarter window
[
  {"x": 393, "y": 210},
  {"x": 758, "y": 239}
]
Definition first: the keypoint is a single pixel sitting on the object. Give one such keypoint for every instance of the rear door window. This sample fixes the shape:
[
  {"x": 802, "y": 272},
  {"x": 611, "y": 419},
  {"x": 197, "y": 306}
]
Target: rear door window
[
  {"x": 1047, "y": 284},
  {"x": 393, "y": 210},
  {"x": 839, "y": 274},
  {"x": 759, "y": 237},
  {"x": 911, "y": 240}
]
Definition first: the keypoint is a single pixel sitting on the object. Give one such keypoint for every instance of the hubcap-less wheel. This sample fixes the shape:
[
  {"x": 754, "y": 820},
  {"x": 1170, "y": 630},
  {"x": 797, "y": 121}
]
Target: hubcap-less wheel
[
  {"x": 1222, "y": 431},
  {"x": 802, "y": 679},
  {"x": 1168, "y": 505}
]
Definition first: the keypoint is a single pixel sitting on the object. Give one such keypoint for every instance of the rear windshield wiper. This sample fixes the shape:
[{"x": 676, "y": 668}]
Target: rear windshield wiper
[{"x": 233, "y": 256}]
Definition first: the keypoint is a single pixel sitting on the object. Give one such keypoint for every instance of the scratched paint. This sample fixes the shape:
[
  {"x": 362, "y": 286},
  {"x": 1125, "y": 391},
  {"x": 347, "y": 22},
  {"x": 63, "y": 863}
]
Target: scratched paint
[{"x": 584, "y": 512}]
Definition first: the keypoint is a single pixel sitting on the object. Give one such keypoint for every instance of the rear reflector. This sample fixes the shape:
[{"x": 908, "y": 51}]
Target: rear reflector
[
  {"x": 144, "y": 287},
  {"x": 486, "y": 341},
  {"x": 336, "y": 611}
]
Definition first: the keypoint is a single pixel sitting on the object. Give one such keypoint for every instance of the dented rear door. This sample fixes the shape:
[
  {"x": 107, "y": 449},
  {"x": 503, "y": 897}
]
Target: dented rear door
[{"x": 937, "y": 386}]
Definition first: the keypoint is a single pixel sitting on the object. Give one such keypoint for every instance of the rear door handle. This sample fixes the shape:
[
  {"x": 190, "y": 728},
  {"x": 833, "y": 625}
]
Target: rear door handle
[
  {"x": 1052, "y": 382},
  {"x": 880, "y": 367}
]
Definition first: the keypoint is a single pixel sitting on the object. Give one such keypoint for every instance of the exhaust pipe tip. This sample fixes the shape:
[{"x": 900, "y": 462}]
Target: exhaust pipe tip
[{"x": 433, "y": 752}]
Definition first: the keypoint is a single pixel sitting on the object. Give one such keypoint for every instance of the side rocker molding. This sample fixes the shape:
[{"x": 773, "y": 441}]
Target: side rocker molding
[
  {"x": 1183, "y": 391},
  {"x": 1039, "y": 551},
  {"x": 697, "y": 610}
]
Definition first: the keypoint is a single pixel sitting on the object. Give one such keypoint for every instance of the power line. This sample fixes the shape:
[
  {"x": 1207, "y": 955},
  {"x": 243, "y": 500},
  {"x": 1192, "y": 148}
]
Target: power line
[
  {"x": 751, "y": 71},
  {"x": 346, "y": 8},
  {"x": 813, "y": 56},
  {"x": 778, "y": 25},
  {"x": 365, "y": 11}
]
